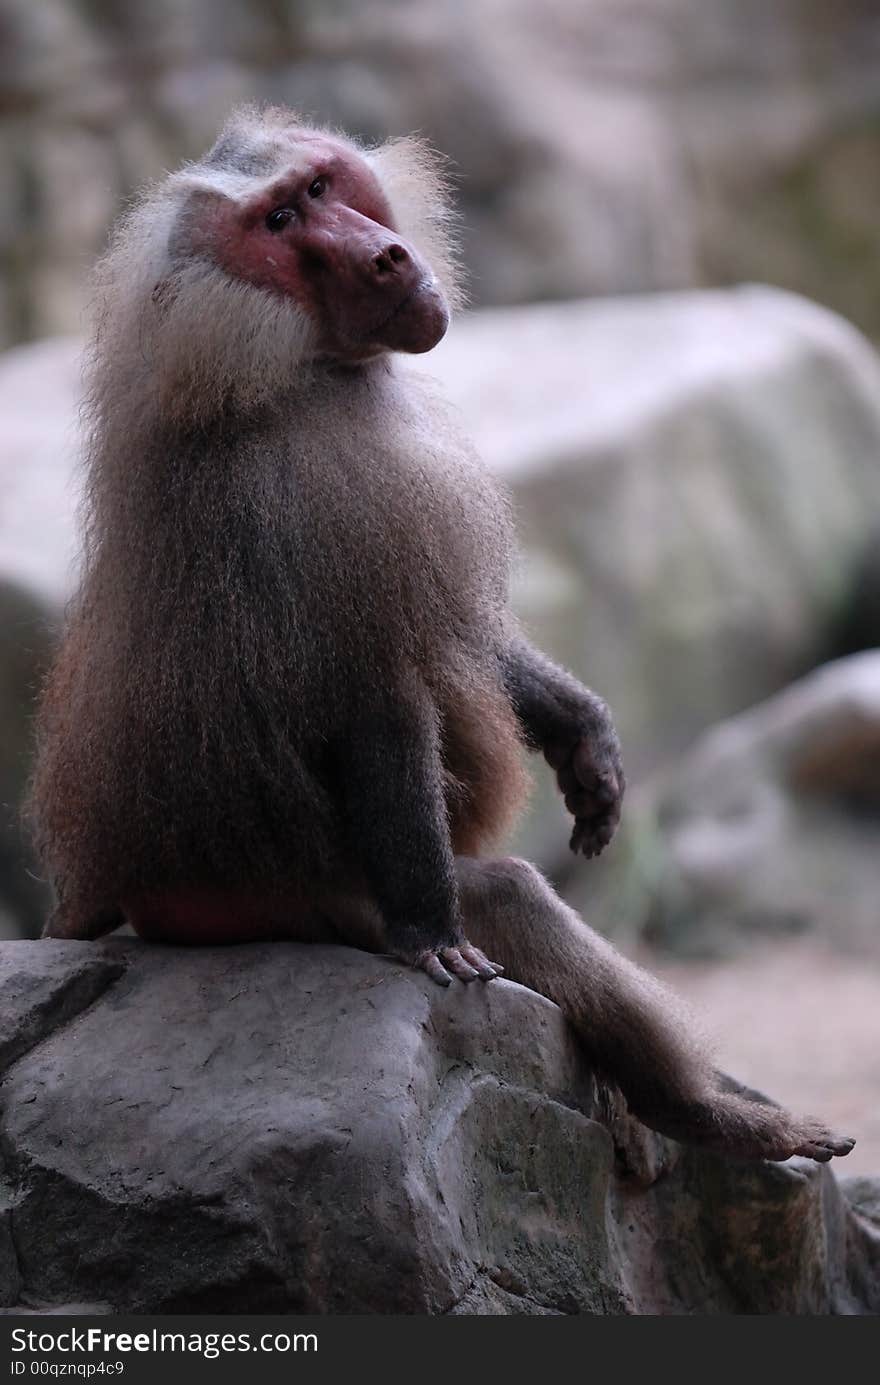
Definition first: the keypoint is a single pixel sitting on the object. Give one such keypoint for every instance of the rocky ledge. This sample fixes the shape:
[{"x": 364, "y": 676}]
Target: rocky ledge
[{"x": 312, "y": 1129}]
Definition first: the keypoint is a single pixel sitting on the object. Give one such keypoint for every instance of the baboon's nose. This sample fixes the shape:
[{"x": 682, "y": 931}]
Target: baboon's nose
[{"x": 393, "y": 259}]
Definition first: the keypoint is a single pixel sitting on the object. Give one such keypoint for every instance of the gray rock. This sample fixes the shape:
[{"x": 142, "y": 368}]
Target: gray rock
[
  {"x": 24, "y": 655},
  {"x": 313, "y": 1129},
  {"x": 40, "y": 389},
  {"x": 769, "y": 825},
  {"x": 696, "y": 479}
]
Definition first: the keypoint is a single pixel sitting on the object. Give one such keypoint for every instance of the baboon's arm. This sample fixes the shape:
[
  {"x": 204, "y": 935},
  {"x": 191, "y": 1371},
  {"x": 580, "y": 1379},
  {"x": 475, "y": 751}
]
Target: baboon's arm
[{"x": 396, "y": 823}]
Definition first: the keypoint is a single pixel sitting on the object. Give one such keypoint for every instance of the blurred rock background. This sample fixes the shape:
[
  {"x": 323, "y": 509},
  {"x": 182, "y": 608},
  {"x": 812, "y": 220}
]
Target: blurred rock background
[
  {"x": 604, "y": 146},
  {"x": 696, "y": 464}
]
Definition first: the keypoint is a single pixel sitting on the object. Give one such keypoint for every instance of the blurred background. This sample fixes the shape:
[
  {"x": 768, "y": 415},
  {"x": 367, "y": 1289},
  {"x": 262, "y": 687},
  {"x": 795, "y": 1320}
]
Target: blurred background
[{"x": 671, "y": 224}]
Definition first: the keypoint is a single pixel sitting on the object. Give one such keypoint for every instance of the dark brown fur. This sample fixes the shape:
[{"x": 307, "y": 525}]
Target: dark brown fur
[
  {"x": 292, "y": 699},
  {"x": 204, "y": 670}
]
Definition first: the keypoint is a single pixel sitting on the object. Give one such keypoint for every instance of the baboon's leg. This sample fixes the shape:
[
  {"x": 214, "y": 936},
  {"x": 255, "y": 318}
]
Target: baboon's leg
[{"x": 633, "y": 1029}]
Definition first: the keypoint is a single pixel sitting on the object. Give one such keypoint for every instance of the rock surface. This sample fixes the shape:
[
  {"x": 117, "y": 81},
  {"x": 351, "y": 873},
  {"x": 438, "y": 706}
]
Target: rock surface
[
  {"x": 697, "y": 483},
  {"x": 24, "y": 656},
  {"x": 312, "y": 1129},
  {"x": 40, "y": 390},
  {"x": 769, "y": 826},
  {"x": 602, "y": 146},
  {"x": 695, "y": 476}
]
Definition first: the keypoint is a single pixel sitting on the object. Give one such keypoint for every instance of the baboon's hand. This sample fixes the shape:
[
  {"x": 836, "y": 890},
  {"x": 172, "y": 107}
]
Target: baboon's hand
[
  {"x": 466, "y": 962},
  {"x": 590, "y": 774}
]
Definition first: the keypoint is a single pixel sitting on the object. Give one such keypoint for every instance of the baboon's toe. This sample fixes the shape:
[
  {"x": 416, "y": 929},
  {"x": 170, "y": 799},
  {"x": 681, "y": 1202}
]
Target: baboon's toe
[{"x": 825, "y": 1146}]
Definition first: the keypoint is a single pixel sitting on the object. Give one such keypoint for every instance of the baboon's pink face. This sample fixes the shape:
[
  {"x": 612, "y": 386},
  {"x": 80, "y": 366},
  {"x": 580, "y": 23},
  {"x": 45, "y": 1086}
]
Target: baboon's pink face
[{"x": 323, "y": 234}]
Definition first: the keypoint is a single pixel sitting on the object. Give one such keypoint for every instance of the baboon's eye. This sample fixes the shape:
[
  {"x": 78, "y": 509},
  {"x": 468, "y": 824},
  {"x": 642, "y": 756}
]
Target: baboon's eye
[
  {"x": 278, "y": 219},
  {"x": 318, "y": 187}
]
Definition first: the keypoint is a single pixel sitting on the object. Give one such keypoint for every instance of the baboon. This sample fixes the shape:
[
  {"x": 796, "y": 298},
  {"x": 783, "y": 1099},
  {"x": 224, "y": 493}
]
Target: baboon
[{"x": 292, "y": 699}]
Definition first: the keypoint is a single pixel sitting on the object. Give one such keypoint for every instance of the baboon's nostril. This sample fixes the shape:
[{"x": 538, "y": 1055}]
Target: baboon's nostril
[{"x": 387, "y": 259}]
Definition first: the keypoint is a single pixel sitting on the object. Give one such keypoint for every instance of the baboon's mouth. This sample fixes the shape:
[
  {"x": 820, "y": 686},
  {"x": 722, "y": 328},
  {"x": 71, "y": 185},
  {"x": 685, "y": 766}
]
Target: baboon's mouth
[
  {"x": 404, "y": 303},
  {"x": 416, "y": 323}
]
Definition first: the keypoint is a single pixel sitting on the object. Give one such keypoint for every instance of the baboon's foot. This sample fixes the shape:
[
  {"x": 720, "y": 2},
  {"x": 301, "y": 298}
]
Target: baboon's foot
[
  {"x": 743, "y": 1129},
  {"x": 821, "y": 1144}
]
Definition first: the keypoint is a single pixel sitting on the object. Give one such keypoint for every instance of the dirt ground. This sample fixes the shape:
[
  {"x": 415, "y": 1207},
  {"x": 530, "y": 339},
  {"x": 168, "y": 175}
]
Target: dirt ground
[{"x": 800, "y": 1023}]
